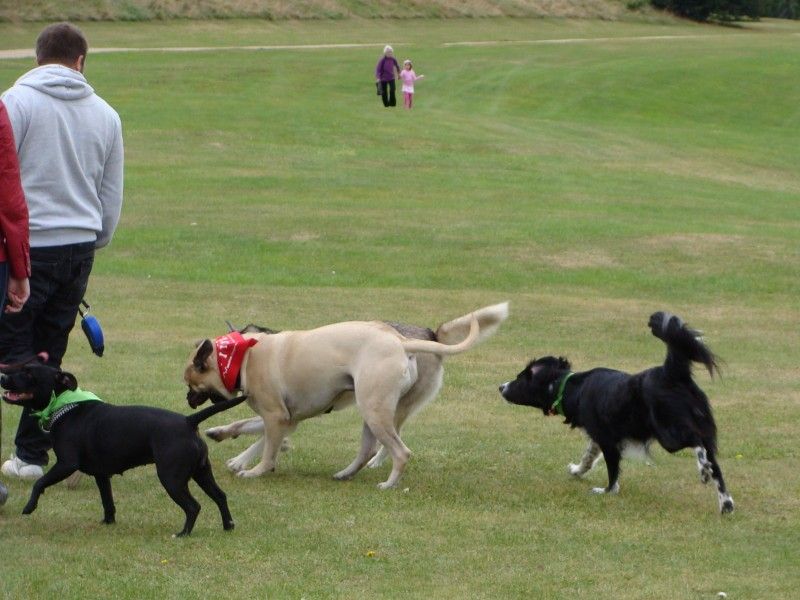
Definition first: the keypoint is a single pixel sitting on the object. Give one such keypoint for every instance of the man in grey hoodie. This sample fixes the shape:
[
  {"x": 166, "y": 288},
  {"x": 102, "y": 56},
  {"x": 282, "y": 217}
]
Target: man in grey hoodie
[{"x": 69, "y": 142}]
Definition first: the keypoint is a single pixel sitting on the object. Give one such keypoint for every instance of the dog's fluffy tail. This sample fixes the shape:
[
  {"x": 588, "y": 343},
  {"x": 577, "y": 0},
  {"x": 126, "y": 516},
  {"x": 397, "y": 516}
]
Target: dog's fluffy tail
[
  {"x": 198, "y": 417},
  {"x": 445, "y": 349},
  {"x": 458, "y": 335},
  {"x": 489, "y": 320},
  {"x": 684, "y": 345}
]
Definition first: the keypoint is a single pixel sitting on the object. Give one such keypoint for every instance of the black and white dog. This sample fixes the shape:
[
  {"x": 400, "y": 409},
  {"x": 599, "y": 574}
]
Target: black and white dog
[{"x": 616, "y": 409}]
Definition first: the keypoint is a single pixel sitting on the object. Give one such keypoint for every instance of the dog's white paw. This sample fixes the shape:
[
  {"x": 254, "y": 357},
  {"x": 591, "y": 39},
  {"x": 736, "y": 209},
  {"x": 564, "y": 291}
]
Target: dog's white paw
[
  {"x": 236, "y": 464},
  {"x": 378, "y": 460},
  {"x": 215, "y": 433},
  {"x": 602, "y": 490},
  {"x": 386, "y": 485},
  {"x": 343, "y": 475},
  {"x": 254, "y": 472},
  {"x": 575, "y": 470},
  {"x": 725, "y": 504}
]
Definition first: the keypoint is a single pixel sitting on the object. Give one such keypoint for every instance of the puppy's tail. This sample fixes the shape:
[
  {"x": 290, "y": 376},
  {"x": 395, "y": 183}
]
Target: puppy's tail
[
  {"x": 411, "y": 345},
  {"x": 684, "y": 345},
  {"x": 196, "y": 418}
]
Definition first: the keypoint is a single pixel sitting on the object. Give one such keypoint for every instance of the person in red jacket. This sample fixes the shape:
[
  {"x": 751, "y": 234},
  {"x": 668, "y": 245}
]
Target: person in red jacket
[{"x": 15, "y": 264}]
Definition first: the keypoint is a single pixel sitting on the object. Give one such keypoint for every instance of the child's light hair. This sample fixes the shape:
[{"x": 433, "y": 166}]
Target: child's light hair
[{"x": 407, "y": 62}]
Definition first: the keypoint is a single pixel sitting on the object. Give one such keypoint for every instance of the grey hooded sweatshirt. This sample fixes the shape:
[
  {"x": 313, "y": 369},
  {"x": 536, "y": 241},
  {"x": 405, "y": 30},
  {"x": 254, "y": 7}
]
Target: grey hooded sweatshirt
[{"x": 69, "y": 142}]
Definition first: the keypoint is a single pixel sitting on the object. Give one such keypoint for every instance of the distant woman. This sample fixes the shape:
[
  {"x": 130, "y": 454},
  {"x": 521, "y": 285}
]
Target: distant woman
[{"x": 386, "y": 71}]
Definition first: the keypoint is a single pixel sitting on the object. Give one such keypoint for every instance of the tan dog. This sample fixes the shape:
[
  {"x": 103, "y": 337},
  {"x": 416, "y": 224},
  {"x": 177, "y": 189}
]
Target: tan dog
[{"x": 390, "y": 371}]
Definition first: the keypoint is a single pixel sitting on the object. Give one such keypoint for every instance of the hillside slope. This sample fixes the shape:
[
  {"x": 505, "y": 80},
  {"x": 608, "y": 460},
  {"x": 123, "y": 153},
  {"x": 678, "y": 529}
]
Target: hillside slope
[{"x": 135, "y": 10}]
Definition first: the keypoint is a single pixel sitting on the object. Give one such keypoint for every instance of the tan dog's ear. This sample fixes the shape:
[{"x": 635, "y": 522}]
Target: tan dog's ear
[{"x": 201, "y": 356}]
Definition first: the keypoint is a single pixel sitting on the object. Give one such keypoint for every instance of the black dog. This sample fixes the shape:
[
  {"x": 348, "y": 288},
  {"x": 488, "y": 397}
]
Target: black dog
[
  {"x": 616, "y": 409},
  {"x": 103, "y": 440}
]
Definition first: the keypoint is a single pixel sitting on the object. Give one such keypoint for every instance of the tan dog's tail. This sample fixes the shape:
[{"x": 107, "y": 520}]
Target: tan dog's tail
[
  {"x": 489, "y": 318},
  {"x": 446, "y": 349}
]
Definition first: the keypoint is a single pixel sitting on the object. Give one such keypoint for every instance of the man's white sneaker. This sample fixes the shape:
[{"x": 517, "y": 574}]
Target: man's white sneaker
[{"x": 14, "y": 467}]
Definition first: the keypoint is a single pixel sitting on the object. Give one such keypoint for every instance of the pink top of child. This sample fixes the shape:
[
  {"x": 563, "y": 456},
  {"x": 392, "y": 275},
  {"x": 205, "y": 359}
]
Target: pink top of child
[{"x": 409, "y": 77}]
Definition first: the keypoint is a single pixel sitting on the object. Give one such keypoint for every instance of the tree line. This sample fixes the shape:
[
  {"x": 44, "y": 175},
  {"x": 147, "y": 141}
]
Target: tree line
[{"x": 730, "y": 10}]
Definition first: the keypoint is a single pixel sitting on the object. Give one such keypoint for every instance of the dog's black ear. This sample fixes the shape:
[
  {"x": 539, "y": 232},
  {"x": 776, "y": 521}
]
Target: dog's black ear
[
  {"x": 252, "y": 328},
  {"x": 563, "y": 363},
  {"x": 68, "y": 380},
  {"x": 204, "y": 350}
]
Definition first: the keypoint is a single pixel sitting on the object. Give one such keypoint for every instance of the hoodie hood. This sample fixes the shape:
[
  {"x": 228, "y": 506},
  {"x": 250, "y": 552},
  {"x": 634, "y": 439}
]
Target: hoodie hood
[{"x": 58, "y": 81}]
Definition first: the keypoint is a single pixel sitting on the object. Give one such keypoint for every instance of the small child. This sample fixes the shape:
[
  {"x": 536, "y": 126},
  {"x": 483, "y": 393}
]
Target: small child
[{"x": 409, "y": 77}]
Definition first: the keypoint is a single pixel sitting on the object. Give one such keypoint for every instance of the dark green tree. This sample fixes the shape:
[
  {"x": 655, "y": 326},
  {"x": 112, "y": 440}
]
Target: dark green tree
[
  {"x": 706, "y": 10},
  {"x": 782, "y": 9}
]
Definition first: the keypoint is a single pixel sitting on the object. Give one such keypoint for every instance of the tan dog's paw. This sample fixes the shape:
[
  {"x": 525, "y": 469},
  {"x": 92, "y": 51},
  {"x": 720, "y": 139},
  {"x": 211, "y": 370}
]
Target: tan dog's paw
[
  {"x": 216, "y": 433},
  {"x": 249, "y": 473},
  {"x": 378, "y": 460},
  {"x": 256, "y": 471},
  {"x": 236, "y": 464},
  {"x": 344, "y": 475}
]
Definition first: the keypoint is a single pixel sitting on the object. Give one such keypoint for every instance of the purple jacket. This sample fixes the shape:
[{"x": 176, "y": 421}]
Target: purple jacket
[{"x": 385, "y": 69}]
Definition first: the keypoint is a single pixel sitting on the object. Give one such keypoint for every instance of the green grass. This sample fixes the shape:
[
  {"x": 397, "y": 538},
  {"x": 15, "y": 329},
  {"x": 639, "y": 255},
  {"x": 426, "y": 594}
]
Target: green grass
[{"x": 588, "y": 183}]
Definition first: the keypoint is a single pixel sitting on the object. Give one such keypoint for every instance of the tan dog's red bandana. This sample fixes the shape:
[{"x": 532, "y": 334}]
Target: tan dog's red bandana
[{"x": 231, "y": 349}]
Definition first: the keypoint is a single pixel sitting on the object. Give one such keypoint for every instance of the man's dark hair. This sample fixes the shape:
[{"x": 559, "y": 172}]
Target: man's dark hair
[{"x": 60, "y": 43}]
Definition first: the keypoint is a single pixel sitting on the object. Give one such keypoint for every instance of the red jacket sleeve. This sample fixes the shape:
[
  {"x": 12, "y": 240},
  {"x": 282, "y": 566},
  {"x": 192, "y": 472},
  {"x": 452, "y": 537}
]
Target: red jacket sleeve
[{"x": 13, "y": 209}]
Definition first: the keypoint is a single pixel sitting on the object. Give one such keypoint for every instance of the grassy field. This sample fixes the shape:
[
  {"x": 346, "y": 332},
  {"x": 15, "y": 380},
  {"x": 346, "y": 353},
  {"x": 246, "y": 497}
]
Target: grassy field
[{"x": 589, "y": 183}]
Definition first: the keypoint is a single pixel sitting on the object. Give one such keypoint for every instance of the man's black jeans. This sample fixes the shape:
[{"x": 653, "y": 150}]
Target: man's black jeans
[{"x": 59, "y": 276}]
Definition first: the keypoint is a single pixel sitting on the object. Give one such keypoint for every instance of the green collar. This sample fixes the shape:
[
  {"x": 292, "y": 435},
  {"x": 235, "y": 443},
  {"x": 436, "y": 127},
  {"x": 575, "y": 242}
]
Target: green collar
[
  {"x": 61, "y": 404},
  {"x": 557, "y": 408}
]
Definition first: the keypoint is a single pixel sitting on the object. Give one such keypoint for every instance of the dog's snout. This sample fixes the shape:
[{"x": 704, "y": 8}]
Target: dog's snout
[{"x": 503, "y": 387}]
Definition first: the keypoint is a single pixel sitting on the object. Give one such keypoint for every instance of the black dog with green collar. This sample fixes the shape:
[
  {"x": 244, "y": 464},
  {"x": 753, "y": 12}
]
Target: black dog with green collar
[{"x": 102, "y": 440}]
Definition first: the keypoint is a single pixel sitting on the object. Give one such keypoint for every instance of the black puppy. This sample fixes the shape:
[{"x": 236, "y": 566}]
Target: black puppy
[
  {"x": 103, "y": 440},
  {"x": 617, "y": 409}
]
